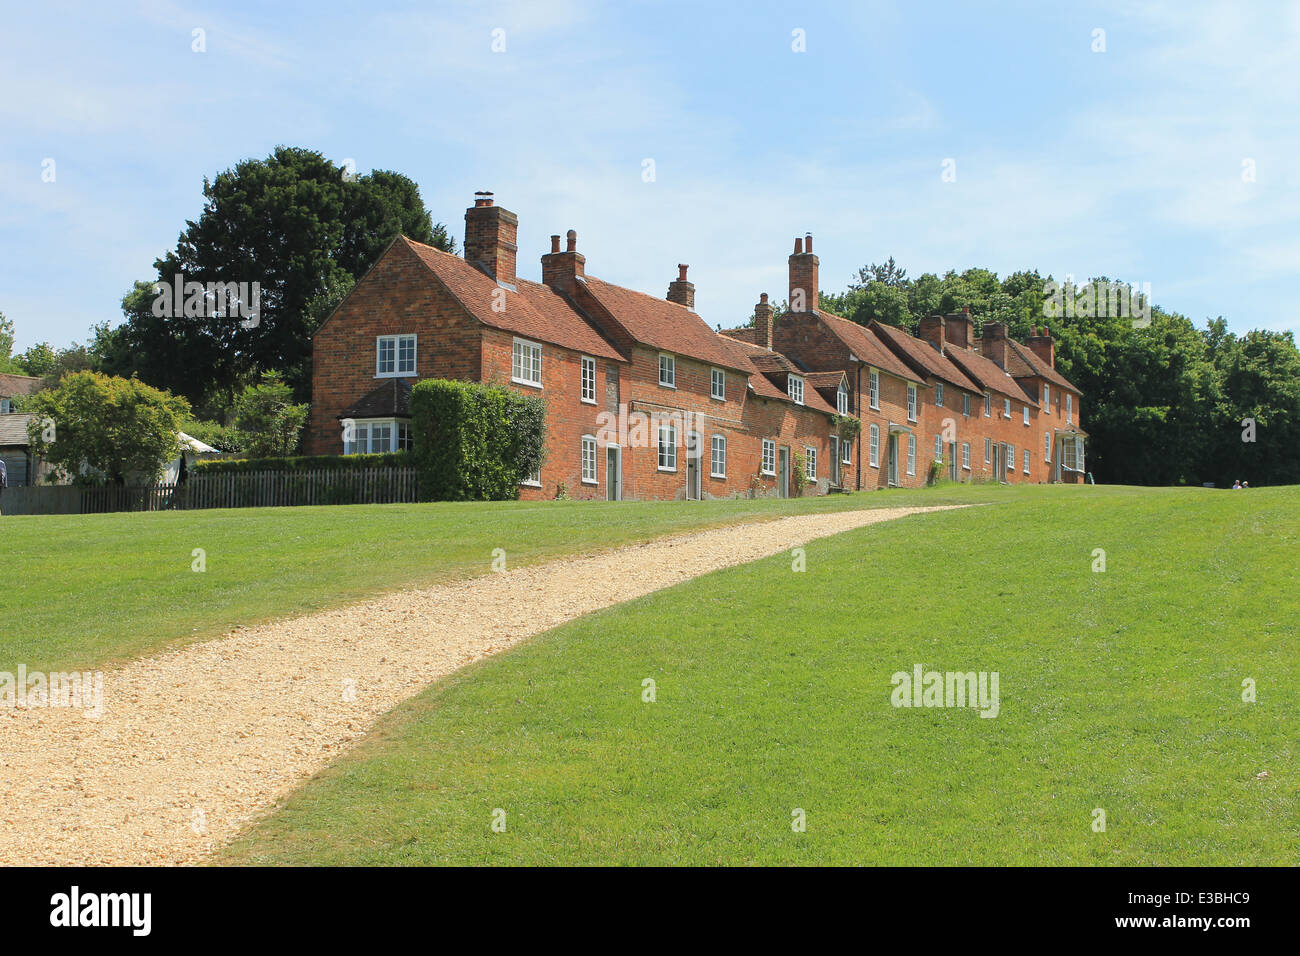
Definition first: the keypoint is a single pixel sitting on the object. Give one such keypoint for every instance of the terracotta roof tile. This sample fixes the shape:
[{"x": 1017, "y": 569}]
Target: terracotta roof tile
[
  {"x": 1023, "y": 363},
  {"x": 664, "y": 325},
  {"x": 763, "y": 386},
  {"x": 985, "y": 372},
  {"x": 923, "y": 355},
  {"x": 534, "y": 310},
  {"x": 864, "y": 344},
  {"x": 14, "y": 386}
]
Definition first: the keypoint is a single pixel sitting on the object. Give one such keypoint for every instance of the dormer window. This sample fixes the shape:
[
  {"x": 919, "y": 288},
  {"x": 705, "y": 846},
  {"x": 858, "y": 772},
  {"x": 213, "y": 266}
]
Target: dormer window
[
  {"x": 938, "y": 394},
  {"x": 842, "y": 400},
  {"x": 794, "y": 387}
]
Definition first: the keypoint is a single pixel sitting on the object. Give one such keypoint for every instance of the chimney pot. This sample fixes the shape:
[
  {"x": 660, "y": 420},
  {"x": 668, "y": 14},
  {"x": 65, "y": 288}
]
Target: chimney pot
[
  {"x": 572, "y": 238},
  {"x": 763, "y": 322},
  {"x": 490, "y": 236},
  {"x": 762, "y": 299},
  {"x": 681, "y": 291},
  {"x": 798, "y": 247},
  {"x": 555, "y": 243},
  {"x": 681, "y": 272},
  {"x": 807, "y": 243}
]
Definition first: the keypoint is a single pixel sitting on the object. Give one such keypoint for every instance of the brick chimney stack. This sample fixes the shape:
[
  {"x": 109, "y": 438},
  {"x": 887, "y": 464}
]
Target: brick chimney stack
[
  {"x": 1043, "y": 345},
  {"x": 803, "y": 277},
  {"x": 763, "y": 322},
  {"x": 931, "y": 329},
  {"x": 993, "y": 343},
  {"x": 561, "y": 270},
  {"x": 681, "y": 291},
  {"x": 957, "y": 328},
  {"x": 490, "y": 236}
]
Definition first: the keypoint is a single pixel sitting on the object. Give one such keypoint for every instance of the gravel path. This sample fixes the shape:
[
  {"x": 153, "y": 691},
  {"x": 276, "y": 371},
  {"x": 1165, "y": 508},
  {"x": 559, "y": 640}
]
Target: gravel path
[{"x": 195, "y": 743}]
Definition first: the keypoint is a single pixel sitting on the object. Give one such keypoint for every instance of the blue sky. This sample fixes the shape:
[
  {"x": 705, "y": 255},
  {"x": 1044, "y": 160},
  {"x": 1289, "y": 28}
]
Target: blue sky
[{"x": 1126, "y": 163}]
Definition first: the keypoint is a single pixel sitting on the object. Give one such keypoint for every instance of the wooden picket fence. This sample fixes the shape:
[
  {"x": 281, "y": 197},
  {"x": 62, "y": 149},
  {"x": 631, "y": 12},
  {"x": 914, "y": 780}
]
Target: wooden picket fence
[{"x": 258, "y": 489}]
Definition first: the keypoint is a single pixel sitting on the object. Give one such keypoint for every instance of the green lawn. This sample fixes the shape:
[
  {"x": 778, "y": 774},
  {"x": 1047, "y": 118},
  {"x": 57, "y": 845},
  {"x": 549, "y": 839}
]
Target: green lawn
[
  {"x": 91, "y": 590},
  {"x": 1119, "y": 690}
]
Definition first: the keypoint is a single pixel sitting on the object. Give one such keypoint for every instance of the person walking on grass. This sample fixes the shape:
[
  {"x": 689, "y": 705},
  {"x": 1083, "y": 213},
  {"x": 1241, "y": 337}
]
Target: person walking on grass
[{"x": 1236, "y": 485}]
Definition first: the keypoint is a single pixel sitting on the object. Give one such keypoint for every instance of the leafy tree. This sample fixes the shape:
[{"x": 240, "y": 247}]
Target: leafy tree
[
  {"x": 38, "y": 360},
  {"x": 267, "y": 419},
  {"x": 7, "y": 363},
  {"x": 296, "y": 224},
  {"x": 96, "y": 428}
]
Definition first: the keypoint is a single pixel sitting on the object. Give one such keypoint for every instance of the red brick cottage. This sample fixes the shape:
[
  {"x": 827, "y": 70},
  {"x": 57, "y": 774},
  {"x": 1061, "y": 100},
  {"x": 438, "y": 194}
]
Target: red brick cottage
[{"x": 645, "y": 401}]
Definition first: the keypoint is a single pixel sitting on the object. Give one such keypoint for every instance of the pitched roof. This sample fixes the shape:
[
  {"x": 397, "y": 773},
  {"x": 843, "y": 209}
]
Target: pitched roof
[
  {"x": 532, "y": 310},
  {"x": 763, "y": 386},
  {"x": 13, "y": 430},
  {"x": 1023, "y": 363},
  {"x": 866, "y": 346},
  {"x": 12, "y": 386},
  {"x": 392, "y": 399},
  {"x": 985, "y": 372},
  {"x": 924, "y": 356},
  {"x": 664, "y": 325},
  {"x": 831, "y": 380}
]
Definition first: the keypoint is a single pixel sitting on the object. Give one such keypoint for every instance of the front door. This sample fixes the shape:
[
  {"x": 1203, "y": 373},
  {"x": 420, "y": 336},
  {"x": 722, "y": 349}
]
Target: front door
[
  {"x": 835, "y": 460},
  {"x": 997, "y": 461},
  {"x": 893, "y": 458},
  {"x": 613, "y": 473},
  {"x": 952, "y": 461},
  {"x": 693, "y": 461},
  {"x": 783, "y": 475}
]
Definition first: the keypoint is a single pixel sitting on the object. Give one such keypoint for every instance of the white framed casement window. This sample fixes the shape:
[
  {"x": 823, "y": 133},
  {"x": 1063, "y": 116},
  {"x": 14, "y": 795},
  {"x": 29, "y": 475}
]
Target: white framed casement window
[
  {"x": 526, "y": 363},
  {"x": 667, "y": 371},
  {"x": 1026, "y": 410},
  {"x": 873, "y": 449},
  {"x": 842, "y": 400},
  {"x": 810, "y": 461},
  {"x": 718, "y": 384},
  {"x": 1011, "y": 458},
  {"x": 846, "y": 453},
  {"x": 1006, "y": 408},
  {"x": 6, "y": 406},
  {"x": 911, "y": 404},
  {"x": 1047, "y": 446},
  {"x": 394, "y": 356},
  {"x": 667, "y": 448},
  {"x": 873, "y": 383},
  {"x": 988, "y": 405},
  {"x": 938, "y": 447},
  {"x": 589, "y": 380},
  {"x": 1047, "y": 396},
  {"x": 911, "y": 454},
  {"x": 1026, "y": 463},
  {"x": 965, "y": 456},
  {"x": 534, "y": 480},
  {"x": 965, "y": 404},
  {"x": 938, "y": 394},
  {"x": 375, "y": 436},
  {"x": 769, "y": 457},
  {"x": 589, "y": 459},
  {"x": 988, "y": 450},
  {"x": 718, "y": 460},
  {"x": 1069, "y": 408},
  {"x": 794, "y": 388}
]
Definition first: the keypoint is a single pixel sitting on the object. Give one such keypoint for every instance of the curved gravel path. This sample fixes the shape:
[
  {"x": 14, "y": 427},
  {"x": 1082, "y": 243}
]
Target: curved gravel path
[{"x": 195, "y": 743}]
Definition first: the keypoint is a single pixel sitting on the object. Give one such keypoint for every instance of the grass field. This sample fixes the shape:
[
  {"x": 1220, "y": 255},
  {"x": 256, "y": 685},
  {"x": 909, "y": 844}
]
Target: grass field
[
  {"x": 1120, "y": 690},
  {"x": 93, "y": 590}
]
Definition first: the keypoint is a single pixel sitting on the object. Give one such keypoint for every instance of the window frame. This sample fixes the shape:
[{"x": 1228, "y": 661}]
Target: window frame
[
  {"x": 396, "y": 427},
  {"x": 1006, "y": 408},
  {"x": 965, "y": 404},
  {"x": 519, "y": 347},
  {"x": 1026, "y": 415},
  {"x": 1069, "y": 409},
  {"x": 810, "y": 462},
  {"x": 791, "y": 382},
  {"x": 842, "y": 399},
  {"x": 873, "y": 389},
  {"x": 912, "y": 402},
  {"x": 988, "y": 404},
  {"x": 988, "y": 451},
  {"x": 671, "y": 368},
  {"x": 768, "y": 455},
  {"x": 714, "y": 457},
  {"x": 1047, "y": 447},
  {"x": 589, "y": 441},
  {"x": 396, "y": 339},
  {"x": 938, "y": 394},
  {"x": 588, "y": 363},
  {"x": 965, "y": 456},
  {"x": 873, "y": 446},
  {"x": 671, "y": 445},
  {"x": 846, "y": 452},
  {"x": 911, "y": 455},
  {"x": 714, "y": 375}
]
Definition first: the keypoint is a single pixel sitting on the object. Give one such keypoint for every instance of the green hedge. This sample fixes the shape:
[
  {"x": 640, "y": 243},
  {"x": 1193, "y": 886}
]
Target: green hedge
[
  {"x": 225, "y": 466},
  {"x": 474, "y": 442}
]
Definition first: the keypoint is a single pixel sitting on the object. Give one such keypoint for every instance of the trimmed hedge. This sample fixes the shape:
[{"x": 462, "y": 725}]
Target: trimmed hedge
[
  {"x": 474, "y": 442},
  {"x": 226, "y": 466}
]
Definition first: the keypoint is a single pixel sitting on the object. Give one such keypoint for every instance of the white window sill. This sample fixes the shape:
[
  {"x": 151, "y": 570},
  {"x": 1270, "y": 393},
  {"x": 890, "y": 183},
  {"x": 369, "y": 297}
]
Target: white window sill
[
  {"x": 965, "y": 467},
  {"x": 714, "y": 474},
  {"x": 672, "y": 470},
  {"x": 524, "y": 381},
  {"x": 718, "y": 398},
  {"x": 410, "y": 374},
  {"x": 768, "y": 474},
  {"x": 667, "y": 385},
  {"x": 590, "y": 481},
  {"x": 588, "y": 401},
  {"x": 530, "y": 484}
]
